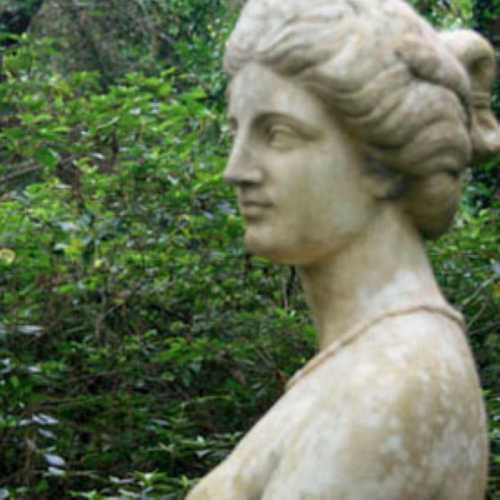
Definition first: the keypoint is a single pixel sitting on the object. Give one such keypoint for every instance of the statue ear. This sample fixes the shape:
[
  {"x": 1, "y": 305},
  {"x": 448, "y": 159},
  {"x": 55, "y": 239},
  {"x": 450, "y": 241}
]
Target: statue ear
[{"x": 478, "y": 58}]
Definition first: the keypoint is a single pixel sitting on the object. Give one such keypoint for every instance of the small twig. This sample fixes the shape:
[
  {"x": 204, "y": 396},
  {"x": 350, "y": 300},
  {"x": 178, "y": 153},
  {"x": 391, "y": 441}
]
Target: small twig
[
  {"x": 21, "y": 173},
  {"x": 487, "y": 283},
  {"x": 492, "y": 327},
  {"x": 285, "y": 295},
  {"x": 476, "y": 317}
]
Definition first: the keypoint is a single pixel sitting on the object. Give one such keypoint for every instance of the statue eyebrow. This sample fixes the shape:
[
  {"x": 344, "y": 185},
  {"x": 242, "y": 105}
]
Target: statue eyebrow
[
  {"x": 303, "y": 128},
  {"x": 263, "y": 118}
]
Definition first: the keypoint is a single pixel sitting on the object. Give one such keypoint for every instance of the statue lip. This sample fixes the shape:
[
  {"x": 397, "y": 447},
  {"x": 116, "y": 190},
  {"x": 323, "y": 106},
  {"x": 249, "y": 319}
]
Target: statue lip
[
  {"x": 252, "y": 209},
  {"x": 254, "y": 203}
]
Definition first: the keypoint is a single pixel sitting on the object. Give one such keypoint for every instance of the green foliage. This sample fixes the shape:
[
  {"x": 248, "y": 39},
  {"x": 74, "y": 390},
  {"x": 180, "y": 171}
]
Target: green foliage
[
  {"x": 449, "y": 14},
  {"x": 137, "y": 340},
  {"x": 115, "y": 37},
  {"x": 132, "y": 323},
  {"x": 16, "y": 15},
  {"x": 468, "y": 269}
]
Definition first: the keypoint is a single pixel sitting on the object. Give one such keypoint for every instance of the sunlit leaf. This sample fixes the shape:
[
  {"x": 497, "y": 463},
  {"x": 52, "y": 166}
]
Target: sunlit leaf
[
  {"x": 55, "y": 460},
  {"x": 47, "y": 157},
  {"x": 7, "y": 256}
]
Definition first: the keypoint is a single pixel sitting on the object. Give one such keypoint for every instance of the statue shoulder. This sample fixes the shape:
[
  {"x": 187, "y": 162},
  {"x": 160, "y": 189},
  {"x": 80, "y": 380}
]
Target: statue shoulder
[
  {"x": 394, "y": 413},
  {"x": 408, "y": 346},
  {"x": 419, "y": 361},
  {"x": 400, "y": 413}
]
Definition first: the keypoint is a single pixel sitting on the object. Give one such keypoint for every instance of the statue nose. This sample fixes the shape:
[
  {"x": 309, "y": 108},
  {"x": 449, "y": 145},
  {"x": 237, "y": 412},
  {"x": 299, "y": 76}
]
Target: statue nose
[{"x": 243, "y": 166}]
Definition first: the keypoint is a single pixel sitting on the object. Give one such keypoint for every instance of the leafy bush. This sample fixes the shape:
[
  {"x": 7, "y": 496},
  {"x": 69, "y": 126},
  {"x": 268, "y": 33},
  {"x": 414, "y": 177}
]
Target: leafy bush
[
  {"x": 116, "y": 37},
  {"x": 131, "y": 318}
]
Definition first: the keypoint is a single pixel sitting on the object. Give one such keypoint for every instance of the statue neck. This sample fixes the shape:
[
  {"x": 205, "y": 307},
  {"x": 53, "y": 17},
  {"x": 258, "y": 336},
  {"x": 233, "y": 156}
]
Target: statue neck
[{"x": 385, "y": 268}]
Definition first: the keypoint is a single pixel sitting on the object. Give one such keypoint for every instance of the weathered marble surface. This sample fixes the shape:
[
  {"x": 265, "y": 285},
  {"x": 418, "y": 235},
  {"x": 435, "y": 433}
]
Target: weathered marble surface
[
  {"x": 395, "y": 416},
  {"x": 353, "y": 121}
]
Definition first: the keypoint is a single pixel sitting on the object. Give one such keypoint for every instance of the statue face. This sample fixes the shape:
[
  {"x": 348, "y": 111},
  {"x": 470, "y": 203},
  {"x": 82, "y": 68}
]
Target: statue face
[{"x": 298, "y": 175}]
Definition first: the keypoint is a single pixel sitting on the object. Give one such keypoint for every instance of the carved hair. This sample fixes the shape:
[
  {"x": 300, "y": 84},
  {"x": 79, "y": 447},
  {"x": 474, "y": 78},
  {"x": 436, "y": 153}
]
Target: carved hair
[{"x": 417, "y": 100}]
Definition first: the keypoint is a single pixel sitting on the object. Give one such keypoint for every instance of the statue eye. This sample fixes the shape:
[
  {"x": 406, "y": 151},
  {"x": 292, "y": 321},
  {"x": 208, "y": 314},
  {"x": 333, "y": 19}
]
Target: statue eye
[{"x": 281, "y": 136}]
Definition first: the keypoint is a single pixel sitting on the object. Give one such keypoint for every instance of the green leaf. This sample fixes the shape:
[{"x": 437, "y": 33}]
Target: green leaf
[
  {"x": 47, "y": 157},
  {"x": 7, "y": 256},
  {"x": 55, "y": 460}
]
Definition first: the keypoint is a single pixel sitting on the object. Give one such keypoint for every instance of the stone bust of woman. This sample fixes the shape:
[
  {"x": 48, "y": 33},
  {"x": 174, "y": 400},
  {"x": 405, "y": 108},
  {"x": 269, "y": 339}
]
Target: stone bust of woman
[{"x": 353, "y": 121}]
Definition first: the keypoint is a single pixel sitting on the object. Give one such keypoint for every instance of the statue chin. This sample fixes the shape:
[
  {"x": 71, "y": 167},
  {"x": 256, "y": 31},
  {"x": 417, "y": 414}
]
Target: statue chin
[
  {"x": 275, "y": 247},
  {"x": 259, "y": 247}
]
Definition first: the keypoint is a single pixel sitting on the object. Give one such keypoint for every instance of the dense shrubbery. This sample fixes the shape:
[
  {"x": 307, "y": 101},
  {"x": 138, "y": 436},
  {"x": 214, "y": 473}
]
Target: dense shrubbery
[{"x": 137, "y": 340}]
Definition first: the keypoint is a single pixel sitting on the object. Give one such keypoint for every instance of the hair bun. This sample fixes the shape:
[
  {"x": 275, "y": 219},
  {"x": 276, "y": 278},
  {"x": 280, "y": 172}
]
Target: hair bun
[{"x": 478, "y": 58}]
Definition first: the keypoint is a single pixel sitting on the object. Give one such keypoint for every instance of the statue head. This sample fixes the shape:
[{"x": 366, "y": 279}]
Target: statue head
[{"x": 415, "y": 102}]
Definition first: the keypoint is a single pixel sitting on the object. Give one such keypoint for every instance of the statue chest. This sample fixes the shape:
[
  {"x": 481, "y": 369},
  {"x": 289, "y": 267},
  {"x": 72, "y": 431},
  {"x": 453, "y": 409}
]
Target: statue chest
[{"x": 384, "y": 421}]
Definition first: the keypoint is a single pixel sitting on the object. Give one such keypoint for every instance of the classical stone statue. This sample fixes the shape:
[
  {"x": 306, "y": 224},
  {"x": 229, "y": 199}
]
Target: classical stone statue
[{"x": 353, "y": 122}]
